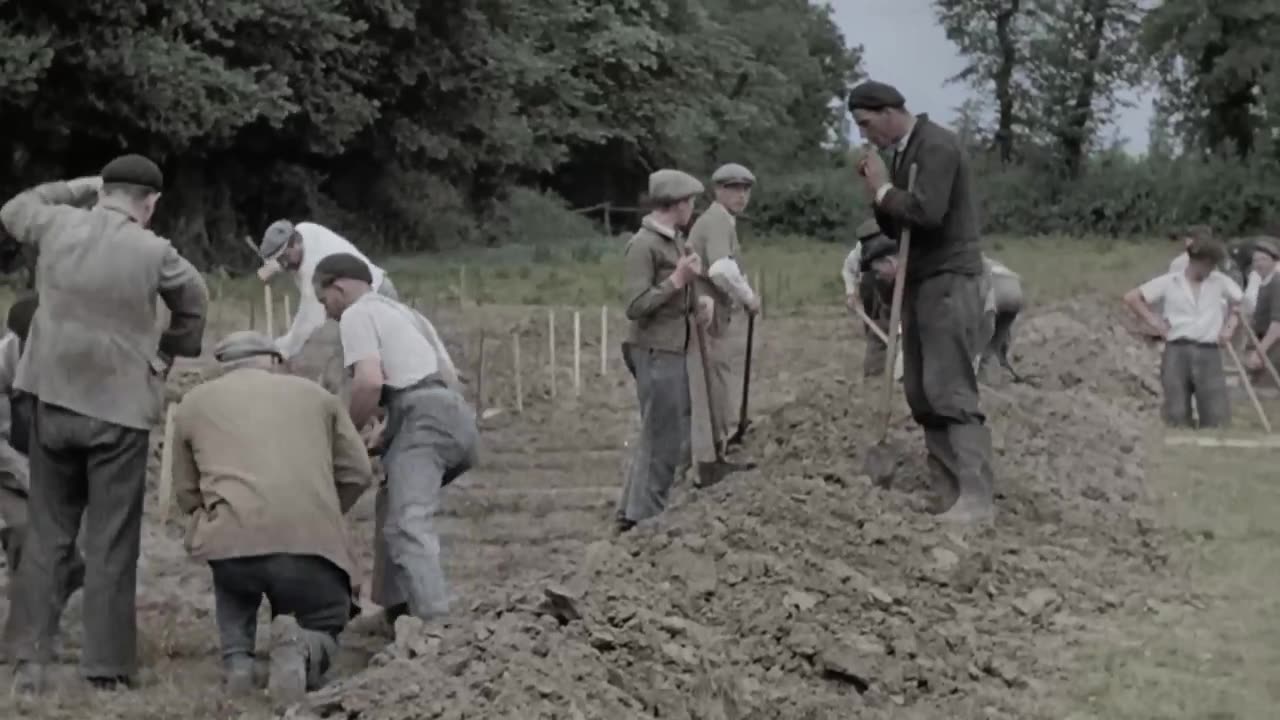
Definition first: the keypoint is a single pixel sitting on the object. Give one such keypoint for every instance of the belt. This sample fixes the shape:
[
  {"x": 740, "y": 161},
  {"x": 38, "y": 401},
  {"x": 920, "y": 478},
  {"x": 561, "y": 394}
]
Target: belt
[
  {"x": 431, "y": 381},
  {"x": 1193, "y": 343}
]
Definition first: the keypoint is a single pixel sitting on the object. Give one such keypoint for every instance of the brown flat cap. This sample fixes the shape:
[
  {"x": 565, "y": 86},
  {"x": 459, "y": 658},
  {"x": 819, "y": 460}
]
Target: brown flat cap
[
  {"x": 873, "y": 95},
  {"x": 341, "y": 266},
  {"x": 133, "y": 170}
]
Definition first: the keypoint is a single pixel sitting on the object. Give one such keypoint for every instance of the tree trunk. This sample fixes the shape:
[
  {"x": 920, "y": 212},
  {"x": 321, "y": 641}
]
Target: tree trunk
[
  {"x": 1075, "y": 134},
  {"x": 1004, "y": 78}
]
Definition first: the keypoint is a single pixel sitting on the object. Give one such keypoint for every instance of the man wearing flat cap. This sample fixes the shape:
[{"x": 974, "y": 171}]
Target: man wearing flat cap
[
  {"x": 714, "y": 238},
  {"x": 867, "y": 290},
  {"x": 95, "y": 363},
  {"x": 662, "y": 296},
  {"x": 266, "y": 465},
  {"x": 942, "y": 301},
  {"x": 311, "y": 344},
  {"x": 430, "y": 438},
  {"x": 1265, "y": 319}
]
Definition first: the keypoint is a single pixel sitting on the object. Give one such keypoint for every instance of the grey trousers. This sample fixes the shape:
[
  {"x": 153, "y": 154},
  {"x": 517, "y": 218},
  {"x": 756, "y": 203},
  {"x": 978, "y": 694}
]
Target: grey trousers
[
  {"x": 83, "y": 466},
  {"x": 433, "y": 440},
  {"x": 940, "y": 328},
  {"x": 1194, "y": 370},
  {"x": 310, "y": 588},
  {"x": 662, "y": 387}
]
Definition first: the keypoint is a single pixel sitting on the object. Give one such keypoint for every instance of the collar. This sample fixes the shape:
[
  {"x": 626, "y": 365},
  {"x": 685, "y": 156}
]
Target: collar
[
  {"x": 906, "y": 137},
  {"x": 733, "y": 219},
  {"x": 114, "y": 205},
  {"x": 662, "y": 229}
]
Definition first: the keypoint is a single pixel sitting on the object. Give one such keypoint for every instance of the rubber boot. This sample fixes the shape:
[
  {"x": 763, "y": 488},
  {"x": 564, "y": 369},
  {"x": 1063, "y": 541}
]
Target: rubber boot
[
  {"x": 287, "y": 682},
  {"x": 238, "y": 677},
  {"x": 29, "y": 678},
  {"x": 941, "y": 460},
  {"x": 972, "y": 446}
]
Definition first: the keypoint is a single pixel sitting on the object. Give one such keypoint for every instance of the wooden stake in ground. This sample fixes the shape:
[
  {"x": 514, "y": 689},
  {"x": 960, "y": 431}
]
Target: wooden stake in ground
[
  {"x": 480, "y": 379},
  {"x": 604, "y": 339},
  {"x": 462, "y": 285},
  {"x": 1248, "y": 386},
  {"x": 164, "y": 493},
  {"x": 288, "y": 311},
  {"x": 269, "y": 312},
  {"x": 515, "y": 358},
  {"x": 577, "y": 352},
  {"x": 551, "y": 349},
  {"x": 253, "y": 320}
]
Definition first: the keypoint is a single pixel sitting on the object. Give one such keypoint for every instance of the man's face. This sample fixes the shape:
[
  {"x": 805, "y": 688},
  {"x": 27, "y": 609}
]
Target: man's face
[
  {"x": 886, "y": 268},
  {"x": 734, "y": 197},
  {"x": 684, "y": 211},
  {"x": 333, "y": 297},
  {"x": 1199, "y": 268},
  {"x": 291, "y": 258},
  {"x": 1263, "y": 263},
  {"x": 877, "y": 126}
]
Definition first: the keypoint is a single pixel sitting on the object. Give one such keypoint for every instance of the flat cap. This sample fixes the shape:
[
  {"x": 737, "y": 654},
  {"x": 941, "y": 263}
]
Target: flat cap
[
  {"x": 673, "y": 186},
  {"x": 133, "y": 170},
  {"x": 1268, "y": 245},
  {"x": 733, "y": 174},
  {"x": 876, "y": 248},
  {"x": 868, "y": 230},
  {"x": 244, "y": 344},
  {"x": 873, "y": 95},
  {"x": 275, "y": 239},
  {"x": 342, "y": 266}
]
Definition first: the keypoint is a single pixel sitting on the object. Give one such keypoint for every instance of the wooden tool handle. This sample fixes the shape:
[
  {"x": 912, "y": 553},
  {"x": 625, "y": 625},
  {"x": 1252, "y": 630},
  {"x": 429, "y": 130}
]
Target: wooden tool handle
[{"x": 895, "y": 312}]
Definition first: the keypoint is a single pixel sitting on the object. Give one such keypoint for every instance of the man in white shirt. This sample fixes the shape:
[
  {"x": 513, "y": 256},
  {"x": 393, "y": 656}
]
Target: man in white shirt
[
  {"x": 286, "y": 247},
  {"x": 1003, "y": 304},
  {"x": 430, "y": 436},
  {"x": 1199, "y": 311}
]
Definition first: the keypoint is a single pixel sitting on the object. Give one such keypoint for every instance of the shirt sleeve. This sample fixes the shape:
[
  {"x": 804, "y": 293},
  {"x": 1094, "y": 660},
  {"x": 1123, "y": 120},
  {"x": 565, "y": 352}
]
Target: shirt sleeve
[
  {"x": 1153, "y": 290},
  {"x": 359, "y": 336},
  {"x": 851, "y": 269},
  {"x": 309, "y": 318},
  {"x": 728, "y": 277},
  {"x": 184, "y": 292},
  {"x": 186, "y": 475},
  {"x": 1231, "y": 289},
  {"x": 31, "y": 214}
]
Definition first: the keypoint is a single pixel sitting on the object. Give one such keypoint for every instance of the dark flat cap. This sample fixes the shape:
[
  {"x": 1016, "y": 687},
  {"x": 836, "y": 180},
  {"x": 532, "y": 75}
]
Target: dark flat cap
[
  {"x": 342, "y": 266},
  {"x": 244, "y": 344},
  {"x": 876, "y": 248},
  {"x": 872, "y": 95},
  {"x": 133, "y": 170}
]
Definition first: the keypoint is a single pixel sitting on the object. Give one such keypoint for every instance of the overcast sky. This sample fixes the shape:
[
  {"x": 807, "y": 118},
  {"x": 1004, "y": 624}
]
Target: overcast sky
[{"x": 905, "y": 47}]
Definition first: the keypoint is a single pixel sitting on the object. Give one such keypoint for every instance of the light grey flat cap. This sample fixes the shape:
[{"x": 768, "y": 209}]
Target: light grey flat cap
[
  {"x": 733, "y": 174},
  {"x": 673, "y": 186},
  {"x": 244, "y": 344},
  {"x": 275, "y": 239}
]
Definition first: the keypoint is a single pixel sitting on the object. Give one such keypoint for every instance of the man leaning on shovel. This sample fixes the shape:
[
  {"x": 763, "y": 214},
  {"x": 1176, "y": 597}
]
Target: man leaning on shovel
[{"x": 942, "y": 300}]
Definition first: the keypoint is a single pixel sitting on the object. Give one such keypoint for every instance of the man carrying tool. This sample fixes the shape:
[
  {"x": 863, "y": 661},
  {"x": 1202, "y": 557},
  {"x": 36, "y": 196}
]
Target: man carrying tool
[
  {"x": 714, "y": 239},
  {"x": 942, "y": 299},
  {"x": 96, "y": 363},
  {"x": 267, "y": 465},
  {"x": 1198, "y": 314},
  {"x": 1265, "y": 318},
  {"x": 660, "y": 293},
  {"x": 286, "y": 247},
  {"x": 430, "y": 436},
  {"x": 872, "y": 281}
]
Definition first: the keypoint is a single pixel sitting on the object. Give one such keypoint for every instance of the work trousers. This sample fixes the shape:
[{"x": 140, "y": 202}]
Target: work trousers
[
  {"x": 433, "y": 439},
  {"x": 83, "y": 466},
  {"x": 1194, "y": 370},
  {"x": 940, "y": 328},
  {"x": 310, "y": 588},
  {"x": 726, "y": 357},
  {"x": 662, "y": 387},
  {"x": 879, "y": 308}
]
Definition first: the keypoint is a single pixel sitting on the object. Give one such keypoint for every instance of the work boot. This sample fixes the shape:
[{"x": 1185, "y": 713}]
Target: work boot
[
  {"x": 972, "y": 445},
  {"x": 28, "y": 678},
  {"x": 287, "y": 683},
  {"x": 238, "y": 676},
  {"x": 941, "y": 461}
]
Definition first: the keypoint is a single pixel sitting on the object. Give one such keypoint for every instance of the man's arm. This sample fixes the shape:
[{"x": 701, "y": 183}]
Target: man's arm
[
  {"x": 186, "y": 476},
  {"x": 310, "y": 317},
  {"x": 366, "y": 389},
  {"x": 643, "y": 298},
  {"x": 183, "y": 291},
  {"x": 850, "y": 270},
  {"x": 362, "y": 352},
  {"x": 28, "y": 215},
  {"x": 937, "y": 164},
  {"x": 352, "y": 471},
  {"x": 1139, "y": 301}
]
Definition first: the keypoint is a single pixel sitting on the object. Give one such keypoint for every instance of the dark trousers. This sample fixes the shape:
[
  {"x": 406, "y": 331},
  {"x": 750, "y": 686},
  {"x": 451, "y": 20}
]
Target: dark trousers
[
  {"x": 877, "y": 303},
  {"x": 83, "y": 466},
  {"x": 310, "y": 588},
  {"x": 941, "y": 316},
  {"x": 1194, "y": 370}
]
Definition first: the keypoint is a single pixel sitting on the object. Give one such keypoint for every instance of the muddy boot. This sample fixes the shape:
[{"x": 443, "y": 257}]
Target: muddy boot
[
  {"x": 29, "y": 678},
  {"x": 238, "y": 677},
  {"x": 287, "y": 682},
  {"x": 972, "y": 445},
  {"x": 941, "y": 461}
]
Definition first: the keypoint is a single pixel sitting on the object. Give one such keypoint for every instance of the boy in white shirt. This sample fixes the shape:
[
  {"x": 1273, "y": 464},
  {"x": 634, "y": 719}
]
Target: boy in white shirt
[{"x": 1198, "y": 313}]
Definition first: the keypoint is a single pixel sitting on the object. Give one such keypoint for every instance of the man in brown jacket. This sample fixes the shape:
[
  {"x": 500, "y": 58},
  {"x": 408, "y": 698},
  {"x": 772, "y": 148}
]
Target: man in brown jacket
[
  {"x": 267, "y": 464},
  {"x": 96, "y": 363},
  {"x": 660, "y": 293},
  {"x": 942, "y": 300}
]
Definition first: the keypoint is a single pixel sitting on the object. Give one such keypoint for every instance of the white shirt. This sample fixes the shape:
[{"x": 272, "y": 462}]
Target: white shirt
[
  {"x": 1252, "y": 285},
  {"x": 1179, "y": 263},
  {"x": 318, "y": 242},
  {"x": 898, "y": 149},
  {"x": 405, "y": 342},
  {"x": 852, "y": 269},
  {"x": 1198, "y": 319}
]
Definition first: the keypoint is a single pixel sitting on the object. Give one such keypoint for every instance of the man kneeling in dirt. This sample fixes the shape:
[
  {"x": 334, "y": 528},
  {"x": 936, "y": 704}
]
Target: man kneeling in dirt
[
  {"x": 1198, "y": 314},
  {"x": 267, "y": 465},
  {"x": 398, "y": 363}
]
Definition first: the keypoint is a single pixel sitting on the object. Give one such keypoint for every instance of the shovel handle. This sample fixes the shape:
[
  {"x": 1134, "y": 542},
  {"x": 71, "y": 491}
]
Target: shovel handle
[{"x": 895, "y": 314}]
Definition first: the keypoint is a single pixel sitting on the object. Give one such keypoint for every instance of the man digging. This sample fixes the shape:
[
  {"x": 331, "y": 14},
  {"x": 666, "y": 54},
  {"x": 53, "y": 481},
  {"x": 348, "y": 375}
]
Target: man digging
[
  {"x": 311, "y": 344},
  {"x": 660, "y": 291},
  {"x": 95, "y": 363},
  {"x": 1198, "y": 313},
  {"x": 1265, "y": 317},
  {"x": 942, "y": 299},
  {"x": 1003, "y": 303},
  {"x": 398, "y": 363},
  {"x": 714, "y": 238},
  {"x": 267, "y": 465},
  {"x": 876, "y": 273}
]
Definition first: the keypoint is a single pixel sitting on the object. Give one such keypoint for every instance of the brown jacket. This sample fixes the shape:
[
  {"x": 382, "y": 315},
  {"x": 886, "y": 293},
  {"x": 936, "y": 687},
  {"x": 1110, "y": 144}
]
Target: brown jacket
[
  {"x": 714, "y": 236},
  {"x": 941, "y": 211},
  {"x": 94, "y": 345},
  {"x": 267, "y": 463},
  {"x": 659, "y": 311}
]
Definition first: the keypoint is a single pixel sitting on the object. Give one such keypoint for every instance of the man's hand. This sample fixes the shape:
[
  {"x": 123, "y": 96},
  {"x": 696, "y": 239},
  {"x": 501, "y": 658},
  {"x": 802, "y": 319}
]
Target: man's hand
[
  {"x": 1160, "y": 327},
  {"x": 705, "y": 310},
  {"x": 753, "y": 307},
  {"x": 1253, "y": 361},
  {"x": 688, "y": 267},
  {"x": 873, "y": 171},
  {"x": 1224, "y": 337},
  {"x": 268, "y": 270},
  {"x": 372, "y": 434},
  {"x": 851, "y": 300}
]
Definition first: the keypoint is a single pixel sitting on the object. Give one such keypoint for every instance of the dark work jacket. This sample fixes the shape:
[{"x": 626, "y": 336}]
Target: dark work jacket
[{"x": 941, "y": 212}]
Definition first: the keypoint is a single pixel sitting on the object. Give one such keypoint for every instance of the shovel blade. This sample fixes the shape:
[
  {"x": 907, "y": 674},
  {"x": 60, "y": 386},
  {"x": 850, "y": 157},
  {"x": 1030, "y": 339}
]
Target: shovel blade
[{"x": 880, "y": 463}]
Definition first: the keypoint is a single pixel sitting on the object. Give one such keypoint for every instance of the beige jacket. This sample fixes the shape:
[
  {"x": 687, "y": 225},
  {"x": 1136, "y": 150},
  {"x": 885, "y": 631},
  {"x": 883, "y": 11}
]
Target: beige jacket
[
  {"x": 94, "y": 345},
  {"x": 714, "y": 237},
  {"x": 267, "y": 463}
]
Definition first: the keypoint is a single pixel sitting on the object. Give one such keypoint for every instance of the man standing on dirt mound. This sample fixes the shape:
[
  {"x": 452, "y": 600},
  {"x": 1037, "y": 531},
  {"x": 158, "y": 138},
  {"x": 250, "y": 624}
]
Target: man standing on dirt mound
[
  {"x": 660, "y": 293},
  {"x": 95, "y": 363},
  {"x": 714, "y": 238},
  {"x": 266, "y": 466},
  {"x": 430, "y": 436},
  {"x": 311, "y": 344},
  {"x": 942, "y": 300}
]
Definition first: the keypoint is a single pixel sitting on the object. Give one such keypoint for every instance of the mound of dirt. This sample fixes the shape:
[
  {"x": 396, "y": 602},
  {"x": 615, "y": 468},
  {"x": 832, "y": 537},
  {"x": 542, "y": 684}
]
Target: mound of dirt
[{"x": 801, "y": 591}]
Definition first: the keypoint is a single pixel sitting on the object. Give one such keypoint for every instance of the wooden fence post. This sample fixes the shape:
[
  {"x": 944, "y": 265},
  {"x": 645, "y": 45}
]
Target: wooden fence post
[
  {"x": 515, "y": 357},
  {"x": 577, "y": 352},
  {"x": 604, "y": 339},
  {"x": 551, "y": 347}
]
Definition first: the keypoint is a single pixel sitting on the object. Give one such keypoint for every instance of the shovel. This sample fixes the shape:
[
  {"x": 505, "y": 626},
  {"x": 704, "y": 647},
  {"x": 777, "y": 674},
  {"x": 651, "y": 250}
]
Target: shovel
[
  {"x": 736, "y": 438},
  {"x": 881, "y": 461}
]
